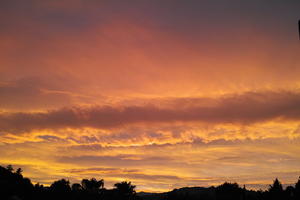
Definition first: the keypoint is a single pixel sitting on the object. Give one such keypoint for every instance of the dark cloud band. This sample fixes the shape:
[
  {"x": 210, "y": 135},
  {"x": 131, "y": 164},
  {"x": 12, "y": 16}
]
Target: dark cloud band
[{"x": 245, "y": 108}]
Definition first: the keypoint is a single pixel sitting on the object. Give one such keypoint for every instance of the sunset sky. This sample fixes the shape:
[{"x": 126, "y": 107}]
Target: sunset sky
[{"x": 163, "y": 93}]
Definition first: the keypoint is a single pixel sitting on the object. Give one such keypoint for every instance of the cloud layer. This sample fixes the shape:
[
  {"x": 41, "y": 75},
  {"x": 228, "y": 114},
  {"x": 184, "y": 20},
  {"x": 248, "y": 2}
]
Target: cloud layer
[{"x": 245, "y": 108}]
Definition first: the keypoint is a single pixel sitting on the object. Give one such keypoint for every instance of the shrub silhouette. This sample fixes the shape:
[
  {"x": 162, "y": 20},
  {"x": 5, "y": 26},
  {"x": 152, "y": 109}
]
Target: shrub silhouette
[{"x": 229, "y": 191}]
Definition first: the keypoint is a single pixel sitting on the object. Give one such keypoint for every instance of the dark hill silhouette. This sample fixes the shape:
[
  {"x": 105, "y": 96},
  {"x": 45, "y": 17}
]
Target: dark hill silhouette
[{"x": 13, "y": 186}]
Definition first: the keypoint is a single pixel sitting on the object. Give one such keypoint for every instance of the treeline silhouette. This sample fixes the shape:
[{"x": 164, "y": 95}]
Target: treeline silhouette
[{"x": 13, "y": 186}]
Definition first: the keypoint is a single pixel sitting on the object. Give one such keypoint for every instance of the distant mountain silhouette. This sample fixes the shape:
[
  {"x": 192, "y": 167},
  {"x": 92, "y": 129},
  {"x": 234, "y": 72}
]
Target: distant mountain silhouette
[{"x": 13, "y": 186}]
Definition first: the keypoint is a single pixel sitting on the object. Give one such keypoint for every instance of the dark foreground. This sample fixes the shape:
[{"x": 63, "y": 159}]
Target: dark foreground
[{"x": 13, "y": 186}]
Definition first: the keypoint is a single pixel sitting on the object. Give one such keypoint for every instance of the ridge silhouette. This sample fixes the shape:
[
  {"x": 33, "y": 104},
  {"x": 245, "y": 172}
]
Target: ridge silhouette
[{"x": 13, "y": 186}]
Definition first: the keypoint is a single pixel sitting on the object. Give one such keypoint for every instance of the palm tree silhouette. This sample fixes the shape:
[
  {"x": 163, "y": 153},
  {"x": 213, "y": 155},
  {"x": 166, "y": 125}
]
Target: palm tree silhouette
[
  {"x": 92, "y": 184},
  {"x": 125, "y": 190}
]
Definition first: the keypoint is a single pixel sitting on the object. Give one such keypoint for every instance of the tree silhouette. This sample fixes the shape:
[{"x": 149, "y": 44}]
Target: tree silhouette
[
  {"x": 14, "y": 186},
  {"x": 76, "y": 187},
  {"x": 10, "y": 168},
  {"x": 92, "y": 184},
  {"x": 289, "y": 193},
  {"x": 229, "y": 191},
  {"x": 276, "y": 190},
  {"x": 125, "y": 190},
  {"x": 60, "y": 186},
  {"x": 297, "y": 189},
  {"x": 19, "y": 171}
]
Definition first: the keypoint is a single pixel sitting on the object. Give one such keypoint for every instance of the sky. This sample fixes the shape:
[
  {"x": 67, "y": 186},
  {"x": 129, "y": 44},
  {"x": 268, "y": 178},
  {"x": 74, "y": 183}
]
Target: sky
[{"x": 164, "y": 94}]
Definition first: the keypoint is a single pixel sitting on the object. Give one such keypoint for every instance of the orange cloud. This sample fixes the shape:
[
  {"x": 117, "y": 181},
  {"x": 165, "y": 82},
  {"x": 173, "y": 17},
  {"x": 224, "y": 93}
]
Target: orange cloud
[{"x": 246, "y": 108}]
